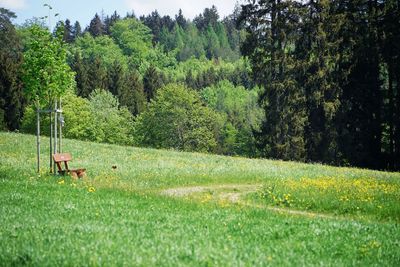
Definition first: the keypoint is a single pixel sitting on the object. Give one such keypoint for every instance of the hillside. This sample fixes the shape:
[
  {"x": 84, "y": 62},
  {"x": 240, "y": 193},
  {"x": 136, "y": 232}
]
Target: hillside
[{"x": 161, "y": 207}]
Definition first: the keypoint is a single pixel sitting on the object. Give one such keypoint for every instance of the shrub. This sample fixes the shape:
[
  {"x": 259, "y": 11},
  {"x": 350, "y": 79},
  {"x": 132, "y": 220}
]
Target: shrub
[{"x": 97, "y": 119}]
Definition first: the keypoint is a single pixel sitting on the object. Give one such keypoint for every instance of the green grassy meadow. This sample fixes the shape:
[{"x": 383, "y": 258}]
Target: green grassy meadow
[{"x": 170, "y": 208}]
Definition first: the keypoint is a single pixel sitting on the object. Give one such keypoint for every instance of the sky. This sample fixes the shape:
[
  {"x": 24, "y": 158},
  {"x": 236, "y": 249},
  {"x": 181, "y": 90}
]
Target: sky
[{"x": 84, "y": 10}]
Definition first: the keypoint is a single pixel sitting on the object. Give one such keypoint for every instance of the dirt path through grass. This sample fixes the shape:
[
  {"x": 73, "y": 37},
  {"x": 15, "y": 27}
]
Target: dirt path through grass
[{"x": 234, "y": 194}]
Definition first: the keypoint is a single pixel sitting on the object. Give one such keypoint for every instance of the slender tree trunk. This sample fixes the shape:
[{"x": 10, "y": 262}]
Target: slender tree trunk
[
  {"x": 51, "y": 139},
  {"x": 55, "y": 132},
  {"x": 38, "y": 139}
]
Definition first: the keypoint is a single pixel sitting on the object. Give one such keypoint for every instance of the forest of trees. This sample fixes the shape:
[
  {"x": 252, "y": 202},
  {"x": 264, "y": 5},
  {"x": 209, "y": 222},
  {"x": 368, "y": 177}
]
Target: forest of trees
[{"x": 315, "y": 80}]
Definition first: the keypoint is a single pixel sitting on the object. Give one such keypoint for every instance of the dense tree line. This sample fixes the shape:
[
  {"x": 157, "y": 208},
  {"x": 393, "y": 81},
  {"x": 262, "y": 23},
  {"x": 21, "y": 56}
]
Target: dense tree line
[
  {"x": 319, "y": 80},
  {"x": 330, "y": 73}
]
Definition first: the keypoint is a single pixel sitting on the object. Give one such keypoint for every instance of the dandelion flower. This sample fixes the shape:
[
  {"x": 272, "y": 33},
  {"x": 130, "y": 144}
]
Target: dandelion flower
[
  {"x": 61, "y": 182},
  {"x": 91, "y": 189}
]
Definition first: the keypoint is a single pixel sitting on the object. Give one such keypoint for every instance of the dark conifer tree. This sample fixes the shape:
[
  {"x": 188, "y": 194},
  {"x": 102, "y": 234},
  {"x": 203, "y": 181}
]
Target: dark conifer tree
[
  {"x": 81, "y": 76},
  {"x": 109, "y": 22},
  {"x": 133, "y": 97},
  {"x": 116, "y": 79},
  {"x": 131, "y": 15},
  {"x": 96, "y": 27},
  {"x": 181, "y": 20},
  {"x": 97, "y": 74},
  {"x": 190, "y": 80},
  {"x": 317, "y": 52},
  {"x": 11, "y": 95},
  {"x": 153, "y": 21},
  {"x": 362, "y": 95},
  {"x": 77, "y": 30},
  {"x": 152, "y": 81},
  {"x": 68, "y": 32},
  {"x": 391, "y": 56},
  {"x": 270, "y": 46}
]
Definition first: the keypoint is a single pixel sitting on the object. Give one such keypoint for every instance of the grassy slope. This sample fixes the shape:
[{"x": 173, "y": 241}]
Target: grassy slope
[{"x": 50, "y": 221}]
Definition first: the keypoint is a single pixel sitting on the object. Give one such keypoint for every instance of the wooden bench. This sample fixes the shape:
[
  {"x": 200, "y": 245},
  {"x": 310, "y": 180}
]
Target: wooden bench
[{"x": 65, "y": 157}]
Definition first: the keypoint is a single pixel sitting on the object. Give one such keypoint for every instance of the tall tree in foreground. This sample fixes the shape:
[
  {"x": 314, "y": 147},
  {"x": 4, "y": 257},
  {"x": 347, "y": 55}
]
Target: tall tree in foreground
[
  {"x": 46, "y": 74},
  {"x": 11, "y": 97},
  {"x": 362, "y": 99},
  {"x": 391, "y": 56},
  {"x": 318, "y": 53},
  {"x": 271, "y": 26}
]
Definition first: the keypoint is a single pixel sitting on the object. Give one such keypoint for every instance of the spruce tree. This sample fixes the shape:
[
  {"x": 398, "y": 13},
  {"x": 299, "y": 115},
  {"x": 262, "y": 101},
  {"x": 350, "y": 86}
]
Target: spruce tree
[
  {"x": 181, "y": 20},
  {"x": 152, "y": 81},
  {"x": 97, "y": 74},
  {"x": 391, "y": 56},
  {"x": 81, "y": 76},
  {"x": 11, "y": 95},
  {"x": 116, "y": 80},
  {"x": 362, "y": 94},
  {"x": 68, "y": 32},
  {"x": 270, "y": 47},
  {"x": 77, "y": 30},
  {"x": 96, "y": 27},
  {"x": 134, "y": 97},
  {"x": 109, "y": 22},
  {"x": 317, "y": 52}
]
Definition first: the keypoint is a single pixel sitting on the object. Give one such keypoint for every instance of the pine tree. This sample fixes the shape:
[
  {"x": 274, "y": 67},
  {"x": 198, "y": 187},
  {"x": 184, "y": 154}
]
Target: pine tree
[
  {"x": 134, "y": 97},
  {"x": 181, "y": 20},
  {"x": 11, "y": 95},
  {"x": 96, "y": 27},
  {"x": 152, "y": 81},
  {"x": 270, "y": 46},
  {"x": 116, "y": 80},
  {"x": 362, "y": 95},
  {"x": 153, "y": 21},
  {"x": 81, "y": 76},
  {"x": 213, "y": 45},
  {"x": 190, "y": 80},
  {"x": 109, "y": 22},
  {"x": 68, "y": 32},
  {"x": 77, "y": 30},
  {"x": 97, "y": 74},
  {"x": 391, "y": 56},
  {"x": 318, "y": 51}
]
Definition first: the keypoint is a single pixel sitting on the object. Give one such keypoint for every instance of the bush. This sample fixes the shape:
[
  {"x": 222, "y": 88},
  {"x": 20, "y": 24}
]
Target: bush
[
  {"x": 177, "y": 119},
  {"x": 97, "y": 119}
]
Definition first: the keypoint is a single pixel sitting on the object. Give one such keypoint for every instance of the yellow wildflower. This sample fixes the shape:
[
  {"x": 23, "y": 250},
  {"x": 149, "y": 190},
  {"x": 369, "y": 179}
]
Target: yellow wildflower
[
  {"x": 91, "y": 189},
  {"x": 61, "y": 182}
]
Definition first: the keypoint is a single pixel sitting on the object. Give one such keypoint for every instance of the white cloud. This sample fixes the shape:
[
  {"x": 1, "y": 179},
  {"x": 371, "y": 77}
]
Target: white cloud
[
  {"x": 13, "y": 4},
  {"x": 190, "y": 9}
]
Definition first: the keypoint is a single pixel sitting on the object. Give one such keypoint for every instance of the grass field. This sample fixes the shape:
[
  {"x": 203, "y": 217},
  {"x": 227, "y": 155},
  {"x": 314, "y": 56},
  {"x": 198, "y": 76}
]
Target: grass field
[{"x": 174, "y": 209}]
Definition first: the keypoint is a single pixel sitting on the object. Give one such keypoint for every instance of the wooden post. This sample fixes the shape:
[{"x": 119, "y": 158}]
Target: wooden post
[
  {"x": 38, "y": 139},
  {"x": 55, "y": 132},
  {"x": 60, "y": 139},
  {"x": 51, "y": 136}
]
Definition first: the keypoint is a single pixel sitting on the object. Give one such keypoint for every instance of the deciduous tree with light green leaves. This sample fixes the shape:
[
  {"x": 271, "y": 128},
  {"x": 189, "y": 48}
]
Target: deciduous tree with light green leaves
[
  {"x": 46, "y": 74},
  {"x": 177, "y": 118},
  {"x": 241, "y": 113}
]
